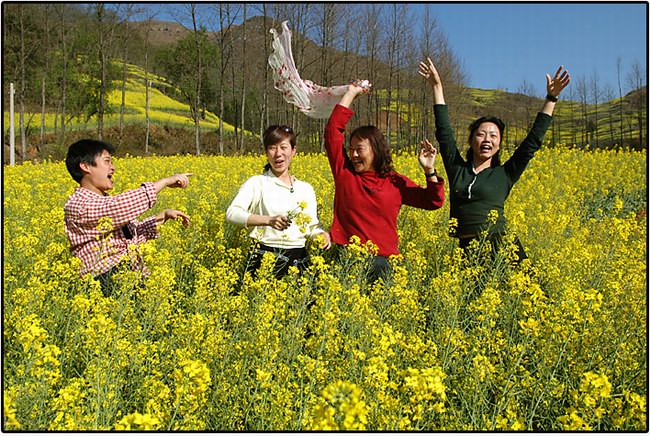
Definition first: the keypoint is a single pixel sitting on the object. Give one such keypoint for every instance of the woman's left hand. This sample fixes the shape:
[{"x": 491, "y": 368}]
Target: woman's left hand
[
  {"x": 327, "y": 240},
  {"x": 560, "y": 81},
  {"x": 427, "y": 156}
]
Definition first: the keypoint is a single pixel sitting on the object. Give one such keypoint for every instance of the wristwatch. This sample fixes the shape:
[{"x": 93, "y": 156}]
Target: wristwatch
[
  {"x": 550, "y": 97},
  {"x": 434, "y": 173}
]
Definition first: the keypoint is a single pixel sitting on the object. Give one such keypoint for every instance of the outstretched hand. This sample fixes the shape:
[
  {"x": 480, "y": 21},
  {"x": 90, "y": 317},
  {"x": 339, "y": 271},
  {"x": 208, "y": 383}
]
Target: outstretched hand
[
  {"x": 429, "y": 72},
  {"x": 427, "y": 156},
  {"x": 179, "y": 180},
  {"x": 560, "y": 81},
  {"x": 171, "y": 214}
]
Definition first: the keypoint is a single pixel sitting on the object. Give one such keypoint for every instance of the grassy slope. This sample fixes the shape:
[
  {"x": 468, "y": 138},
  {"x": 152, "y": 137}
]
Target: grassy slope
[
  {"x": 166, "y": 111},
  {"x": 163, "y": 109}
]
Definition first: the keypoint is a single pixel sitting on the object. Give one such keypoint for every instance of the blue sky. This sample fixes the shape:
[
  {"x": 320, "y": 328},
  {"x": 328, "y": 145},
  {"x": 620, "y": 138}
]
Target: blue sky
[{"x": 503, "y": 44}]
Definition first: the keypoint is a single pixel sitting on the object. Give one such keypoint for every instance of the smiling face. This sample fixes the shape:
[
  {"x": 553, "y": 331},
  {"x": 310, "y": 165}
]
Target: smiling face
[
  {"x": 280, "y": 155},
  {"x": 99, "y": 176},
  {"x": 486, "y": 141},
  {"x": 362, "y": 155}
]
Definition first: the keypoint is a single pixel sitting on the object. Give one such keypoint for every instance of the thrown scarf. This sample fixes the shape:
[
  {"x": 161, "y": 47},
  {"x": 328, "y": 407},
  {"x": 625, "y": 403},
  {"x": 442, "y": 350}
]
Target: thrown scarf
[{"x": 311, "y": 99}]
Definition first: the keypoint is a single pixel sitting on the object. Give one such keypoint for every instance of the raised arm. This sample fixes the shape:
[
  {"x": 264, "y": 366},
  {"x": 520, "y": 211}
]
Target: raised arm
[
  {"x": 554, "y": 88},
  {"x": 519, "y": 160},
  {"x": 444, "y": 133},
  {"x": 429, "y": 72},
  {"x": 356, "y": 88}
]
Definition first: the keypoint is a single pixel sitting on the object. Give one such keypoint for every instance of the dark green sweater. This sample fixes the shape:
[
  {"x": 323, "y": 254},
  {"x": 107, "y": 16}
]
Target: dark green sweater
[{"x": 473, "y": 196}]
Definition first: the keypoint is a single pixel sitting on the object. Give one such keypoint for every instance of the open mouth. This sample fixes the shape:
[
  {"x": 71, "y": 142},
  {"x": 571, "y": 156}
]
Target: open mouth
[{"x": 486, "y": 148}]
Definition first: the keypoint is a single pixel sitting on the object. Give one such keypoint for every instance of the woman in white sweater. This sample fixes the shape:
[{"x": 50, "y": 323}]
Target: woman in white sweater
[{"x": 280, "y": 209}]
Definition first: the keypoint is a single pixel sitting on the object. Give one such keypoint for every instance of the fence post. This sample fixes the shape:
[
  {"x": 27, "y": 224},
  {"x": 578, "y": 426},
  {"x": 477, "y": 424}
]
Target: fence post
[{"x": 12, "y": 141}]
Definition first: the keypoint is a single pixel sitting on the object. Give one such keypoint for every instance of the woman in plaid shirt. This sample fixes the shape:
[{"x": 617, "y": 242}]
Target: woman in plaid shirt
[{"x": 101, "y": 228}]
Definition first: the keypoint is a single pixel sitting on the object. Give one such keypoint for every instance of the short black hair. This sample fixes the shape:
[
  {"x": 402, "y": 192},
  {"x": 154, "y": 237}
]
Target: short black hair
[
  {"x": 274, "y": 135},
  {"x": 86, "y": 151},
  {"x": 496, "y": 159}
]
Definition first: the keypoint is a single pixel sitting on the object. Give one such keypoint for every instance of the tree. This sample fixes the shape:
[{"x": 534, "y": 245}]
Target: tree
[
  {"x": 180, "y": 63},
  {"x": 105, "y": 25},
  {"x": 595, "y": 94},
  {"x": 636, "y": 80},
  {"x": 608, "y": 94},
  {"x": 243, "y": 86},
  {"x": 128, "y": 13},
  {"x": 225, "y": 49},
  {"x": 397, "y": 20},
  {"x": 582, "y": 90},
  {"x": 619, "y": 66}
]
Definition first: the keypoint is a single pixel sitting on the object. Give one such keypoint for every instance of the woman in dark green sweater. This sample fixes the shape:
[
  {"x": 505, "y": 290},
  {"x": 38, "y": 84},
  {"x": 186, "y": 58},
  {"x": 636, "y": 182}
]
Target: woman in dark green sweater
[{"x": 479, "y": 183}]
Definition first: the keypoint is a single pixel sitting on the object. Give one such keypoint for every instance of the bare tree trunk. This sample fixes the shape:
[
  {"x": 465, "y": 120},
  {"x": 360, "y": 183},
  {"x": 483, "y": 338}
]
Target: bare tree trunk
[
  {"x": 639, "y": 99},
  {"x": 199, "y": 76},
  {"x": 243, "y": 86},
  {"x": 225, "y": 47},
  {"x": 619, "y": 62},
  {"x": 609, "y": 97},
  {"x": 264, "y": 121},
  {"x": 595, "y": 97},
  {"x": 147, "y": 84},
  {"x": 372, "y": 36},
  {"x": 64, "y": 75},
  {"x": 45, "y": 73},
  {"x": 125, "y": 55},
  {"x": 21, "y": 93},
  {"x": 103, "y": 52},
  {"x": 581, "y": 89}
]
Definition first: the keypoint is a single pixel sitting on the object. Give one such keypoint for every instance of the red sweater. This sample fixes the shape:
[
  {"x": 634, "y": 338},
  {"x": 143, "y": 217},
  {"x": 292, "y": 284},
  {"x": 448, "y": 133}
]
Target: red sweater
[{"x": 366, "y": 204}]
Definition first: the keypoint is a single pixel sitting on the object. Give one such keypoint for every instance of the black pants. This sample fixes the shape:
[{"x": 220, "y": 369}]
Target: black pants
[
  {"x": 284, "y": 258},
  {"x": 108, "y": 284},
  {"x": 106, "y": 281},
  {"x": 496, "y": 241},
  {"x": 378, "y": 266}
]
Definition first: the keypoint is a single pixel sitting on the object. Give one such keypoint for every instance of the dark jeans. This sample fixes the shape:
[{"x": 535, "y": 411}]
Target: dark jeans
[
  {"x": 378, "y": 266},
  {"x": 496, "y": 241},
  {"x": 284, "y": 258},
  {"x": 106, "y": 282}
]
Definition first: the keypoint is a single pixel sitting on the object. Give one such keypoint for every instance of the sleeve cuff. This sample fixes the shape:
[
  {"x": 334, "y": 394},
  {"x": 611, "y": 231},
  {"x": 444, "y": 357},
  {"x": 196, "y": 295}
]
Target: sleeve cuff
[{"x": 149, "y": 229}]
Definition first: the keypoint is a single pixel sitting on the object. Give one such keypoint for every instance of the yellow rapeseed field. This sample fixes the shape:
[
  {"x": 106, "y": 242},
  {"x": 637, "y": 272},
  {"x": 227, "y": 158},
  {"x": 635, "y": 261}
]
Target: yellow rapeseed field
[{"x": 559, "y": 343}]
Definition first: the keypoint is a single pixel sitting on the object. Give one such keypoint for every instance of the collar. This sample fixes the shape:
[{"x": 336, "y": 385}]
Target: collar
[
  {"x": 271, "y": 175},
  {"x": 80, "y": 190}
]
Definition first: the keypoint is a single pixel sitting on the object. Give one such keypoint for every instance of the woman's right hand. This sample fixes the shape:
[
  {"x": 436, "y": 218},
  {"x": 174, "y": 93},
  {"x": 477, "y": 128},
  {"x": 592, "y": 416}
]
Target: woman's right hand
[{"x": 279, "y": 222}]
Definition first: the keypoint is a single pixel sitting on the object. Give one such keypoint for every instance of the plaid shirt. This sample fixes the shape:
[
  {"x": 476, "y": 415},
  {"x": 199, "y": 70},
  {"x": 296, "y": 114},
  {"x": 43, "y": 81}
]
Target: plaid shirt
[{"x": 102, "y": 246}]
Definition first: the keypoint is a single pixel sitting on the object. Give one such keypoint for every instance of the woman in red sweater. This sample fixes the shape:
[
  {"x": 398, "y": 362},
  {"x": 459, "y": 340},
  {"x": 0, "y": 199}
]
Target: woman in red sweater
[{"x": 368, "y": 192}]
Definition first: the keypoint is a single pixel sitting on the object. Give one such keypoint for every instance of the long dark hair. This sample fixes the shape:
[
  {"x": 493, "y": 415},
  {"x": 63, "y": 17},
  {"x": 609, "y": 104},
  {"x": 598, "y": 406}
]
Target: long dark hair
[
  {"x": 274, "y": 134},
  {"x": 383, "y": 162},
  {"x": 496, "y": 159}
]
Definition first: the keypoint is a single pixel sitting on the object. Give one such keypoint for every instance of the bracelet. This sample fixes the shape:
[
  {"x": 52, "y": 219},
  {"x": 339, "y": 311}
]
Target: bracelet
[
  {"x": 550, "y": 97},
  {"x": 433, "y": 174}
]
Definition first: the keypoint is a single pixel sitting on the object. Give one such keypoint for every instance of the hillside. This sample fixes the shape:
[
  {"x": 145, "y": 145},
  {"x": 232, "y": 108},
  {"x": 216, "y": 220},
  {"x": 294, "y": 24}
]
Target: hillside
[{"x": 396, "y": 105}]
